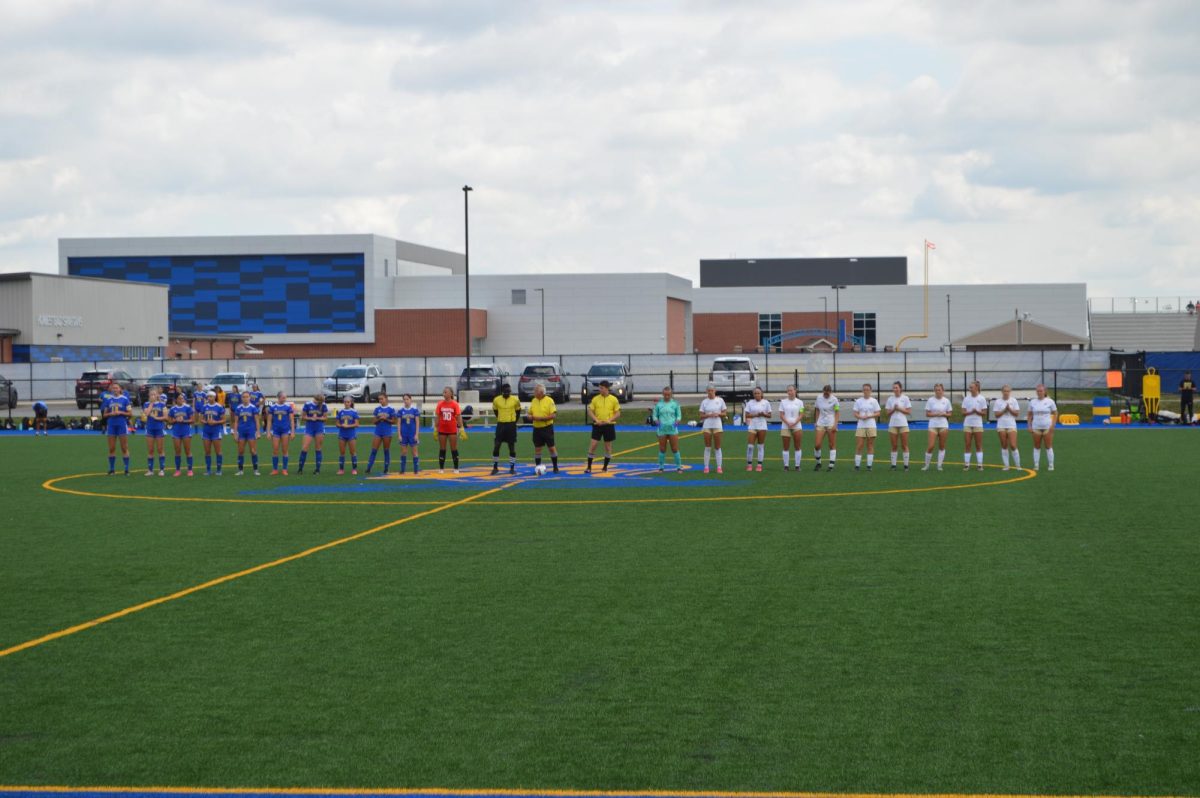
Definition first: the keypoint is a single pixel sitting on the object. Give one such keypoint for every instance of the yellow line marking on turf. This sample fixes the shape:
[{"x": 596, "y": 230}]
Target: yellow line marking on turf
[
  {"x": 145, "y": 605},
  {"x": 523, "y": 793}
]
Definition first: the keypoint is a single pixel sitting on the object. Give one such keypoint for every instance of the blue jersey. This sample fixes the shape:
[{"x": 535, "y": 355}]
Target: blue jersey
[
  {"x": 156, "y": 418},
  {"x": 181, "y": 417},
  {"x": 247, "y": 417},
  {"x": 281, "y": 414},
  {"x": 256, "y": 398},
  {"x": 214, "y": 421},
  {"x": 40, "y": 407},
  {"x": 314, "y": 417},
  {"x": 410, "y": 418},
  {"x": 347, "y": 416},
  {"x": 385, "y": 418},
  {"x": 118, "y": 424}
]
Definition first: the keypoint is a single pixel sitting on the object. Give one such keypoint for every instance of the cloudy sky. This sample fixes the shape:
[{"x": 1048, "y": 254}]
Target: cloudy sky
[{"x": 1032, "y": 141}]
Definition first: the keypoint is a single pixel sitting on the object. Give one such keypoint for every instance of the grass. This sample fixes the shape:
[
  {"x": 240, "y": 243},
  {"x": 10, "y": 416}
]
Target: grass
[{"x": 1032, "y": 637}]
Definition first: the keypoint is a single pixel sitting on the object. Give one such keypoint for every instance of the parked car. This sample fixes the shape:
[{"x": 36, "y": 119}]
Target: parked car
[
  {"x": 734, "y": 377},
  {"x": 360, "y": 382},
  {"x": 92, "y": 384},
  {"x": 558, "y": 387},
  {"x": 229, "y": 382},
  {"x": 8, "y": 393},
  {"x": 619, "y": 379},
  {"x": 485, "y": 378},
  {"x": 167, "y": 383}
]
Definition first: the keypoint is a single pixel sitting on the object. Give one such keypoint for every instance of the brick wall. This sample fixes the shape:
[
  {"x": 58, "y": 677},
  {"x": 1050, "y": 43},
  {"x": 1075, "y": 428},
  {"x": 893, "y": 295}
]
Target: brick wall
[
  {"x": 676, "y": 326},
  {"x": 720, "y": 333},
  {"x": 398, "y": 333}
]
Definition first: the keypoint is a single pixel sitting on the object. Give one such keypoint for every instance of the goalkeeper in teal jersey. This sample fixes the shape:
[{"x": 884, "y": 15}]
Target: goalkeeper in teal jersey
[{"x": 667, "y": 416}]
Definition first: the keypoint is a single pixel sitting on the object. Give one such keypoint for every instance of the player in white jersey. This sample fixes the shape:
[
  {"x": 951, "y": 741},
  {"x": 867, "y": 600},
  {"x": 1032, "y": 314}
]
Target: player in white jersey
[
  {"x": 899, "y": 408},
  {"x": 825, "y": 413},
  {"x": 866, "y": 410},
  {"x": 791, "y": 430},
  {"x": 712, "y": 411},
  {"x": 1043, "y": 417},
  {"x": 937, "y": 410},
  {"x": 757, "y": 412},
  {"x": 975, "y": 408},
  {"x": 1006, "y": 409}
]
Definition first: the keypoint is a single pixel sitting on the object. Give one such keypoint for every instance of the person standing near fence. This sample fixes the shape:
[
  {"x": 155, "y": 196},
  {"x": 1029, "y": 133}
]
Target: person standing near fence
[
  {"x": 866, "y": 410},
  {"x": 974, "y": 408},
  {"x": 757, "y": 413},
  {"x": 1043, "y": 417},
  {"x": 1006, "y": 409},
  {"x": 116, "y": 421},
  {"x": 408, "y": 422},
  {"x": 791, "y": 427},
  {"x": 937, "y": 409},
  {"x": 666, "y": 416},
  {"x": 154, "y": 411},
  {"x": 826, "y": 408},
  {"x": 542, "y": 412},
  {"x": 1187, "y": 390},
  {"x": 507, "y": 409},
  {"x": 899, "y": 408},
  {"x": 41, "y": 413},
  {"x": 603, "y": 412}
]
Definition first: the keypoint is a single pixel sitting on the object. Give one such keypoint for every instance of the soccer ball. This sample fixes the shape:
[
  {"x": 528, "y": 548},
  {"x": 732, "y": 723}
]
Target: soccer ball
[
  {"x": 692, "y": 423},
  {"x": 539, "y": 469}
]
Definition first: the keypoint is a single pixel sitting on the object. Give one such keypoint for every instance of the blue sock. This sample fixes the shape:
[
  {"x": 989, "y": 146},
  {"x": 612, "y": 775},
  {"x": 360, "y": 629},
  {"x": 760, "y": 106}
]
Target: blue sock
[
  {"x": 285, "y": 461},
  {"x": 341, "y": 462},
  {"x": 178, "y": 462},
  {"x": 371, "y": 460},
  {"x": 162, "y": 462},
  {"x": 387, "y": 459},
  {"x": 354, "y": 461},
  {"x": 303, "y": 457},
  {"x": 403, "y": 463},
  {"x": 319, "y": 459},
  {"x": 125, "y": 460},
  {"x": 678, "y": 459},
  {"x": 149, "y": 463},
  {"x": 208, "y": 462},
  {"x": 241, "y": 461},
  {"x": 220, "y": 460},
  {"x": 112, "y": 463},
  {"x": 274, "y": 463},
  {"x": 189, "y": 459},
  {"x": 416, "y": 464},
  {"x": 254, "y": 461}
]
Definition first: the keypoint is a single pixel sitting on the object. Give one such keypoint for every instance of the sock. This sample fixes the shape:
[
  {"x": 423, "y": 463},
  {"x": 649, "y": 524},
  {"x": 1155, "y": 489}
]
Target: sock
[
  {"x": 241, "y": 461},
  {"x": 966, "y": 458},
  {"x": 354, "y": 461},
  {"x": 387, "y": 459},
  {"x": 254, "y": 461},
  {"x": 125, "y": 460},
  {"x": 797, "y": 457},
  {"x": 371, "y": 459},
  {"x": 403, "y": 463},
  {"x": 857, "y": 460},
  {"x": 454, "y": 456},
  {"x": 274, "y": 463},
  {"x": 787, "y": 458},
  {"x": 978, "y": 458},
  {"x": 112, "y": 463},
  {"x": 749, "y": 453},
  {"x": 1037, "y": 457},
  {"x": 416, "y": 464},
  {"x": 720, "y": 457},
  {"x": 1016, "y": 457},
  {"x": 554, "y": 461},
  {"x": 941, "y": 457},
  {"x": 442, "y": 458},
  {"x": 678, "y": 460},
  {"x": 928, "y": 457},
  {"x": 512, "y": 462},
  {"x": 1004, "y": 457},
  {"x": 341, "y": 462},
  {"x": 662, "y": 458},
  {"x": 589, "y": 464},
  {"x": 303, "y": 458},
  {"x": 894, "y": 456},
  {"x": 537, "y": 461},
  {"x": 1049, "y": 457},
  {"x": 870, "y": 459},
  {"x": 707, "y": 455},
  {"x": 320, "y": 457},
  {"x": 832, "y": 456},
  {"x": 817, "y": 455},
  {"x": 607, "y": 460},
  {"x": 220, "y": 461},
  {"x": 496, "y": 458},
  {"x": 189, "y": 462},
  {"x": 162, "y": 462},
  {"x": 906, "y": 459},
  {"x": 761, "y": 451},
  {"x": 149, "y": 463},
  {"x": 208, "y": 462},
  {"x": 285, "y": 462},
  {"x": 178, "y": 462}
]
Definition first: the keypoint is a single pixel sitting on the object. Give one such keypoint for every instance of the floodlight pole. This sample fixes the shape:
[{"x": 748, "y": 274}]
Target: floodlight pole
[
  {"x": 542, "y": 291},
  {"x": 467, "y": 276},
  {"x": 837, "y": 311}
]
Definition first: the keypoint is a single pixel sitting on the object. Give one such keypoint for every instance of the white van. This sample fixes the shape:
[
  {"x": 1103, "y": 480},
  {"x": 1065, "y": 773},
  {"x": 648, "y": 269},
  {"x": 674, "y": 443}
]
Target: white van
[{"x": 734, "y": 377}]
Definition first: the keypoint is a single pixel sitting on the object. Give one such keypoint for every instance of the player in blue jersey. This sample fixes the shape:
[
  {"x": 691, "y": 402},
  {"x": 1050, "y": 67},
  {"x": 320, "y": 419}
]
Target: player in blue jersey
[
  {"x": 259, "y": 400},
  {"x": 385, "y": 428},
  {"x": 347, "y": 426},
  {"x": 282, "y": 418},
  {"x": 154, "y": 413},
  {"x": 410, "y": 434},
  {"x": 41, "y": 413},
  {"x": 212, "y": 432},
  {"x": 245, "y": 431},
  {"x": 117, "y": 412},
  {"x": 314, "y": 414},
  {"x": 180, "y": 417},
  {"x": 199, "y": 402}
]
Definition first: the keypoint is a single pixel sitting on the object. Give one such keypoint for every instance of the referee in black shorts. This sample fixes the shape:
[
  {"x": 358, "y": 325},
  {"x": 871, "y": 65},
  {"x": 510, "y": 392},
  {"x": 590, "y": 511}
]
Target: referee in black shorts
[
  {"x": 1187, "y": 390},
  {"x": 507, "y": 409}
]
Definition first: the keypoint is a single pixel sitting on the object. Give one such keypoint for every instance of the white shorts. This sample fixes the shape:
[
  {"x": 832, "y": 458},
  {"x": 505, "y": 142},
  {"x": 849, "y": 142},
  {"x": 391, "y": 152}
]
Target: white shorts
[
  {"x": 939, "y": 423},
  {"x": 827, "y": 426},
  {"x": 756, "y": 424},
  {"x": 973, "y": 423},
  {"x": 1007, "y": 423},
  {"x": 1040, "y": 428},
  {"x": 713, "y": 424},
  {"x": 897, "y": 426},
  {"x": 785, "y": 430}
]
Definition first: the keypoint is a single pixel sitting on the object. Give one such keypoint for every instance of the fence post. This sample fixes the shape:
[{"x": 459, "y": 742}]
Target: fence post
[
  {"x": 1056, "y": 385},
  {"x": 906, "y": 368},
  {"x": 671, "y": 379},
  {"x": 1043, "y": 374},
  {"x": 293, "y": 376},
  {"x": 796, "y": 378},
  {"x": 878, "y": 391}
]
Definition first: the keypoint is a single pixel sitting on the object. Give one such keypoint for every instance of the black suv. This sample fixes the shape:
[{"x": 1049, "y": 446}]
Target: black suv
[
  {"x": 485, "y": 378},
  {"x": 91, "y": 385},
  {"x": 8, "y": 393}
]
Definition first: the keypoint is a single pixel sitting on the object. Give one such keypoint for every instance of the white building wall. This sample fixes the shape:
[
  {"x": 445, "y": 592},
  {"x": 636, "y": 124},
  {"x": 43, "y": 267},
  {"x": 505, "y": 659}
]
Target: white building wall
[
  {"x": 111, "y": 313},
  {"x": 899, "y": 309},
  {"x": 16, "y": 307}
]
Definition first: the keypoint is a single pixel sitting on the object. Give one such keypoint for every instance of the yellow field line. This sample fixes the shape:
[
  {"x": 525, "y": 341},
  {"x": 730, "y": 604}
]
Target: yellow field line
[
  {"x": 524, "y": 793},
  {"x": 145, "y": 605}
]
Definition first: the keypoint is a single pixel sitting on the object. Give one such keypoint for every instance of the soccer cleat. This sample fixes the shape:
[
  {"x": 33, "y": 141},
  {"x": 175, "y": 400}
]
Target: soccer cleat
[
  {"x": 176, "y": 473},
  {"x": 149, "y": 474},
  {"x": 893, "y": 468},
  {"x": 749, "y": 467},
  {"x": 219, "y": 472},
  {"x": 939, "y": 468},
  {"x": 870, "y": 468},
  {"x": 512, "y": 469},
  {"x": 979, "y": 468},
  {"x": 856, "y": 468},
  {"x": 720, "y": 470},
  {"x": 455, "y": 470},
  {"x": 1049, "y": 468},
  {"x": 316, "y": 471},
  {"x": 354, "y": 471},
  {"x": 830, "y": 467},
  {"x": 662, "y": 469},
  {"x": 239, "y": 473},
  {"x": 925, "y": 467},
  {"x": 495, "y": 469},
  {"x": 283, "y": 472},
  {"x": 758, "y": 467},
  {"x": 341, "y": 471},
  {"x": 604, "y": 469},
  {"x": 678, "y": 469},
  {"x": 786, "y": 468},
  {"x": 110, "y": 473},
  {"x": 817, "y": 467},
  {"x": 162, "y": 472},
  {"x": 706, "y": 469},
  {"x": 274, "y": 472},
  {"x": 257, "y": 473},
  {"x": 1005, "y": 468},
  {"x": 191, "y": 473},
  {"x": 587, "y": 471},
  {"x": 966, "y": 468},
  {"x": 906, "y": 468}
]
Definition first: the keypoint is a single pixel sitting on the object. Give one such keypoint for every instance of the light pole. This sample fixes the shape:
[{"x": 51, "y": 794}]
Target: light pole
[
  {"x": 825, "y": 310},
  {"x": 542, "y": 291},
  {"x": 467, "y": 273},
  {"x": 949, "y": 342},
  {"x": 837, "y": 312}
]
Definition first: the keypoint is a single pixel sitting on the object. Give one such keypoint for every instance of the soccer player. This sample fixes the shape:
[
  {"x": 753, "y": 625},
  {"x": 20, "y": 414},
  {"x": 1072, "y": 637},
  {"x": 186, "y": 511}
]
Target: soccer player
[
  {"x": 1187, "y": 392},
  {"x": 448, "y": 414},
  {"x": 667, "y": 414},
  {"x": 791, "y": 430},
  {"x": 199, "y": 402},
  {"x": 259, "y": 400},
  {"x": 507, "y": 409},
  {"x": 245, "y": 431},
  {"x": 898, "y": 407},
  {"x": 385, "y": 421},
  {"x": 409, "y": 416},
  {"x": 757, "y": 412},
  {"x": 937, "y": 410},
  {"x": 826, "y": 410},
  {"x": 117, "y": 412},
  {"x": 712, "y": 413},
  {"x": 282, "y": 414},
  {"x": 603, "y": 412},
  {"x": 154, "y": 412},
  {"x": 211, "y": 432},
  {"x": 542, "y": 411},
  {"x": 866, "y": 410},
  {"x": 347, "y": 427},
  {"x": 1006, "y": 410},
  {"x": 41, "y": 412},
  {"x": 974, "y": 408},
  {"x": 1043, "y": 418},
  {"x": 180, "y": 416},
  {"x": 314, "y": 414}
]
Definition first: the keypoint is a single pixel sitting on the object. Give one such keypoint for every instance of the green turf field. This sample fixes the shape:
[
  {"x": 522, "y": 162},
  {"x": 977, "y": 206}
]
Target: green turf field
[{"x": 1005, "y": 633}]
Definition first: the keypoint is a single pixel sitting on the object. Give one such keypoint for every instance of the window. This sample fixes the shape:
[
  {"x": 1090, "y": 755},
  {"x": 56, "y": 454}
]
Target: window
[
  {"x": 864, "y": 329},
  {"x": 769, "y": 326},
  {"x": 518, "y": 296},
  {"x": 385, "y": 267}
]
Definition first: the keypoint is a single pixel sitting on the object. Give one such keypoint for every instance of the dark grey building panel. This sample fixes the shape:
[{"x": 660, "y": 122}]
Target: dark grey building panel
[{"x": 803, "y": 271}]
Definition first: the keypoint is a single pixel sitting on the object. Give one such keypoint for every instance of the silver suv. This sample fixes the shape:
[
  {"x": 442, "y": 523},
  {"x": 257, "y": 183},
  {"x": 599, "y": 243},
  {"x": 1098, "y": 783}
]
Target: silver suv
[
  {"x": 734, "y": 377},
  {"x": 619, "y": 380},
  {"x": 558, "y": 387},
  {"x": 360, "y": 382}
]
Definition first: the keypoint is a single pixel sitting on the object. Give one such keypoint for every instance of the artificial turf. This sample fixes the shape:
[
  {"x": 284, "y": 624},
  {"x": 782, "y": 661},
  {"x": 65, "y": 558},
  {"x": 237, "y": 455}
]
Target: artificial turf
[{"x": 1038, "y": 636}]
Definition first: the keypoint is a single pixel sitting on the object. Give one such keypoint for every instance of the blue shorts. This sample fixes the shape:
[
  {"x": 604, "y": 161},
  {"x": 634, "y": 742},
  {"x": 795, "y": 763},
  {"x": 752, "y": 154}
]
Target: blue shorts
[
  {"x": 408, "y": 440},
  {"x": 247, "y": 433},
  {"x": 384, "y": 431},
  {"x": 314, "y": 427},
  {"x": 117, "y": 428},
  {"x": 154, "y": 432},
  {"x": 280, "y": 432},
  {"x": 181, "y": 431},
  {"x": 348, "y": 434},
  {"x": 211, "y": 433}
]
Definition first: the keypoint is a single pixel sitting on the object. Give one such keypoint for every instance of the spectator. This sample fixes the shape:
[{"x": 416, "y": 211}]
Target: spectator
[{"x": 1187, "y": 390}]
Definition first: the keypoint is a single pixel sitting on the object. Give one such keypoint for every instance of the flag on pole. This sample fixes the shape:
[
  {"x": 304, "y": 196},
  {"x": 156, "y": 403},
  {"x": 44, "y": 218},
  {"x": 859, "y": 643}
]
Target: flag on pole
[{"x": 929, "y": 245}]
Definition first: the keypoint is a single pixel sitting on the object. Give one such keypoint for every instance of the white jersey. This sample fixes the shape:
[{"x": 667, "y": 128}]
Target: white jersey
[
  {"x": 791, "y": 411},
  {"x": 715, "y": 405},
  {"x": 894, "y": 403},
  {"x": 1042, "y": 410},
  {"x": 827, "y": 410},
  {"x": 756, "y": 412},
  {"x": 1007, "y": 420},
  {"x": 864, "y": 405},
  {"x": 977, "y": 403},
  {"x": 934, "y": 405}
]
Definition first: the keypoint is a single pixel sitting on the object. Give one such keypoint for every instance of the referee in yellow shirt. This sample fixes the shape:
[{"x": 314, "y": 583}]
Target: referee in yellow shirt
[
  {"x": 603, "y": 412},
  {"x": 542, "y": 411},
  {"x": 507, "y": 408}
]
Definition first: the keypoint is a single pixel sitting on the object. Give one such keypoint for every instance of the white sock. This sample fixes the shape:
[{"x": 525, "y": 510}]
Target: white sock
[
  {"x": 1037, "y": 457},
  {"x": 749, "y": 453},
  {"x": 928, "y": 457},
  {"x": 906, "y": 459},
  {"x": 720, "y": 457},
  {"x": 787, "y": 457},
  {"x": 707, "y": 454},
  {"x": 1016, "y": 457},
  {"x": 762, "y": 448},
  {"x": 941, "y": 457},
  {"x": 817, "y": 455},
  {"x": 833, "y": 455},
  {"x": 1050, "y": 456},
  {"x": 857, "y": 460},
  {"x": 979, "y": 458},
  {"x": 797, "y": 457},
  {"x": 870, "y": 460},
  {"x": 894, "y": 453},
  {"x": 966, "y": 458},
  {"x": 1004, "y": 457}
]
